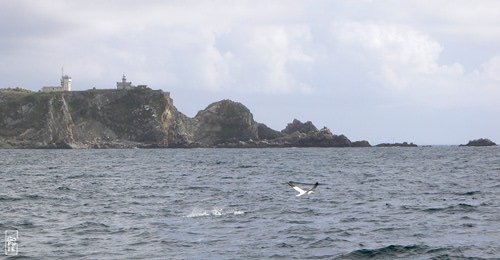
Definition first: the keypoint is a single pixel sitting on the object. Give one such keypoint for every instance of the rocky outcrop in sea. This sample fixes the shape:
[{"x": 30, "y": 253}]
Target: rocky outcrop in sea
[
  {"x": 404, "y": 144},
  {"x": 480, "y": 142}
]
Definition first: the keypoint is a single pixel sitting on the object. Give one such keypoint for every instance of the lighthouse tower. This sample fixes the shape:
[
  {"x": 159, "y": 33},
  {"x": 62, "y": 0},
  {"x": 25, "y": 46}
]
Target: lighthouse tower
[
  {"x": 124, "y": 84},
  {"x": 66, "y": 83}
]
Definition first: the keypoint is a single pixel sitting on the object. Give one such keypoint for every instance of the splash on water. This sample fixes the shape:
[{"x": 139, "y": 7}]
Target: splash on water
[{"x": 215, "y": 211}]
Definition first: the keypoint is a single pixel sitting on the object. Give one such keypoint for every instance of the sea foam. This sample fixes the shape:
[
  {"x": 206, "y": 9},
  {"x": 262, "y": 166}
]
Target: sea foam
[{"x": 216, "y": 211}]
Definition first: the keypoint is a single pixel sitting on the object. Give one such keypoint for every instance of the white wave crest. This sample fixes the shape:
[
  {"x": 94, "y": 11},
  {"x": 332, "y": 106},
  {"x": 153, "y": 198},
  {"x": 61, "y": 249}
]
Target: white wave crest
[{"x": 197, "y": 212}]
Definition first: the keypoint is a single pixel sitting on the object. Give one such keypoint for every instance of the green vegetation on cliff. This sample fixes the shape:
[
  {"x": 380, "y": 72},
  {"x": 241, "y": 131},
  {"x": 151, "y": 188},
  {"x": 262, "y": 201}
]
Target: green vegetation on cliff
[{"x": 21, "y": 111}]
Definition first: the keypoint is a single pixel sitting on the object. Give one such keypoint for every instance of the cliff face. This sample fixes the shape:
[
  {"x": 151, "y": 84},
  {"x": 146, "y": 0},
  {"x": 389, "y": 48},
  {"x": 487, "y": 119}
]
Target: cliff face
[
  {"x": 90, "y": 119},
  {"x": 139, "y": 118}
]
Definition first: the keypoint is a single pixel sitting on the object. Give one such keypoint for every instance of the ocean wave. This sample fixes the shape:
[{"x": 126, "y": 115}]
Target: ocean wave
[
  {"x": 216, "y": 211},
  {"x": 199, "y": 187},
  {"x": 246, "y": 166},
  {"x": 33, "y": 197},
  {"x": 87, "y": 226},
  {"x": 325, "y": 242},
  {"x": 8, "y": 198},
  {"x": 388, "y": 252},
  {"x": 468, "y": 193},
  {"x": 421, "y": 251},
  {"x": 461, "y": 207}
]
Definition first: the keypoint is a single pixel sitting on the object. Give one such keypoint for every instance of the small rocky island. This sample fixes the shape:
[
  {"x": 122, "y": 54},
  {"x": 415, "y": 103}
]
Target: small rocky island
[
  {"x": 143, "y": 118},
  {"x": 480, "y": 142},
  {"x": 404, "y": 144}
]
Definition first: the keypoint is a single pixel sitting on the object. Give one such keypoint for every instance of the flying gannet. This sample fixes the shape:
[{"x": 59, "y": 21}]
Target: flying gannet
[{"x": 302, "y": 191}]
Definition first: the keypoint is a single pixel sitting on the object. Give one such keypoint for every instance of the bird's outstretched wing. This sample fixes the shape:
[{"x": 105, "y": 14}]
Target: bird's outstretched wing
[
  {"x": 297, "y": 188},
  {"x": 314, "y": 187}
]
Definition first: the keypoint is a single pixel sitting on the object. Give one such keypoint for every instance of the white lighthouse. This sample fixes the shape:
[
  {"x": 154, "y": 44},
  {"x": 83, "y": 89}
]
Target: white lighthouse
[
  {"x": 66, "y": 83},
  {"x": 124, "y": 84}
]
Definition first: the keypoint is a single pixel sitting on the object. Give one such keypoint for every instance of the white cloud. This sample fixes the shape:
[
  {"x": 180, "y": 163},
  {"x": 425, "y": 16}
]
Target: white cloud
[
  {"x": 251, "y": 58},
  {"x": 270, "y": 50},
  {"x": 491, "y": 68},
  {"x": 396, "y": 55},
  {"x": 467, "y": 20}
]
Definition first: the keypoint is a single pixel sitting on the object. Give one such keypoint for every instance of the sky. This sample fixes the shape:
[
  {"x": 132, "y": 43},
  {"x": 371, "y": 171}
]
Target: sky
[{"x": 426, "y": 72}]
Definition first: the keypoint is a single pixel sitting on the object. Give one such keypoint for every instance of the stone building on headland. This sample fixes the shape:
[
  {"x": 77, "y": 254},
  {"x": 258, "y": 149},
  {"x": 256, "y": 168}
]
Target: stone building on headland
[
  {"x": 65, "y": 85},
  {"x": 127, "y": 85}
]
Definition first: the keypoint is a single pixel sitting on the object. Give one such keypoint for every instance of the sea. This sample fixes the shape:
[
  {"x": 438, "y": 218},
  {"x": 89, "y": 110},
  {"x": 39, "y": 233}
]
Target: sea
[{"x": 439, "y": 202}]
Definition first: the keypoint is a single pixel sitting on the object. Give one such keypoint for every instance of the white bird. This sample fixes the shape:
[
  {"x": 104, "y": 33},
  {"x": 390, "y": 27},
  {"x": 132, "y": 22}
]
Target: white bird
[{"x": 302, "y": 191}]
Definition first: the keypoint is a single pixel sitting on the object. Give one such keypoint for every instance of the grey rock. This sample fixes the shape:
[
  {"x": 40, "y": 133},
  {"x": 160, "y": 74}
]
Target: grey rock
[{"x": 480, "y": 142}]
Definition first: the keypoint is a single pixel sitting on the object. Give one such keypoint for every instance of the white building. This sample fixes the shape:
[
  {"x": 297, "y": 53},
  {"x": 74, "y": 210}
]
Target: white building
[
  {"x": 127, "y": 85},
  {"x": 124, "y": 84},
  {"x": 65, "y": 85}
]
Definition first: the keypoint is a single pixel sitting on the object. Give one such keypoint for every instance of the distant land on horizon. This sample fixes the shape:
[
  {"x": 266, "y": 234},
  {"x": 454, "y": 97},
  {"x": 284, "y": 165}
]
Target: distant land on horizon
[{"x": 146, "y": 118}]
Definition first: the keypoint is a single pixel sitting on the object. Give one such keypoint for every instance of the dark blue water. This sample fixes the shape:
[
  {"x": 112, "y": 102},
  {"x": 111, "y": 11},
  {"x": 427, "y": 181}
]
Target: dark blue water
[{"x": 412, "y": 203}]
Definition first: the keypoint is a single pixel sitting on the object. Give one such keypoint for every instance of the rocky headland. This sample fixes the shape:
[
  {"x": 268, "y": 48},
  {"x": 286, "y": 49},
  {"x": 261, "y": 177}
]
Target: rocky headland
[{"x": 142, "y": 118}]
